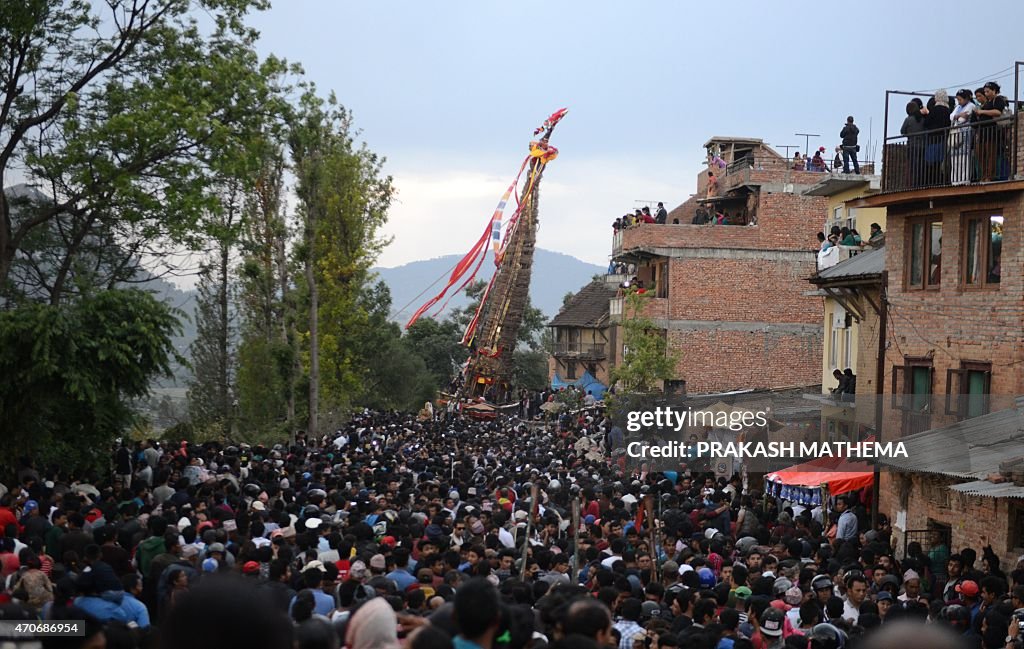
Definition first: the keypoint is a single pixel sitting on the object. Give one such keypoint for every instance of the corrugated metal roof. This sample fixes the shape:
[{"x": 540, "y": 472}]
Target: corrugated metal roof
[
  {"x": 865, "y": 264},
  {"x": 972, "y": 448},
  {"x": 990, "y": 489}
]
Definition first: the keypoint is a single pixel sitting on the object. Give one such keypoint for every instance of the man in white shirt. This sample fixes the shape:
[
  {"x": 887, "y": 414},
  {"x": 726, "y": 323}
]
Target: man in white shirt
[{"x": 856, "y": 591}]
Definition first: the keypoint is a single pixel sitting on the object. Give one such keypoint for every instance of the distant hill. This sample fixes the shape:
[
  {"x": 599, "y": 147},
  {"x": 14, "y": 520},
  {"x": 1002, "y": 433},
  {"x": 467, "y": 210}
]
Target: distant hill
[{"x": 554, "y": 275}]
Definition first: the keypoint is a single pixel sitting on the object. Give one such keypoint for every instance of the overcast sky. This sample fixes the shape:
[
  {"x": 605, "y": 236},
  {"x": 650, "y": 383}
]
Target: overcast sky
[{"x": 451, "y": 90}]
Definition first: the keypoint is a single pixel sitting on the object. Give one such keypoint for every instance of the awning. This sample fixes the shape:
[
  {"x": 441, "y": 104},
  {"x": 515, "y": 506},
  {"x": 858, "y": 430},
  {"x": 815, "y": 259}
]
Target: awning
[{"x": 803, "y": 483}]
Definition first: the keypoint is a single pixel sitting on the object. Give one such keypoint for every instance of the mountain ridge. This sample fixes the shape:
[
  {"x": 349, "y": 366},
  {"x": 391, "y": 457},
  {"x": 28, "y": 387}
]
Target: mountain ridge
[{"x": 554, "y": 274}]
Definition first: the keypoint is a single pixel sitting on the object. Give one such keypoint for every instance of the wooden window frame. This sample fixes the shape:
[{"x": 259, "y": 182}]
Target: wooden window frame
[
  {"x": 926, "y": 253},
  {"x": 959, "y": 408},
  {"x": 965, "y": 223},
  {"x": 902, "y": 376}
]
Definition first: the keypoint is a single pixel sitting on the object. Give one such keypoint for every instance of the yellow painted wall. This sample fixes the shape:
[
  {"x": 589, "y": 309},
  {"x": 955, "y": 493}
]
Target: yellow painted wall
[{"x": 846, "y": 346}]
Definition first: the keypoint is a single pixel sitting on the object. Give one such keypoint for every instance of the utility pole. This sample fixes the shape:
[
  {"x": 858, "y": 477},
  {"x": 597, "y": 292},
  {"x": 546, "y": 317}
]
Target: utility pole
[{"x": 807, "y": 140}]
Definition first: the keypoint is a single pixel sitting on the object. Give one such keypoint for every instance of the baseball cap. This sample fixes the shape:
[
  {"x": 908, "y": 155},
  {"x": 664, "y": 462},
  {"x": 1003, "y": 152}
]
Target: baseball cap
[
  {"x": 388, "y": 541},
  {"x": 215, "y": 547},
  {"x": 258, "y": 505},
  {"x": 314, "y": 565},
  {"x": 251, "y": 567},
  {"x": 378, "y": 562},
  {"x": 210, "y": 565},
  {"x": 968, "y": 588},
  {"x": 313, "y": 523},
  {"x": 793, "y": 596},
  {"x": 884, "y": 595},
  {"x": 781, "y": 585},
  {"x": 743, "y": 592},
  {"x": 771, "y": 622}
]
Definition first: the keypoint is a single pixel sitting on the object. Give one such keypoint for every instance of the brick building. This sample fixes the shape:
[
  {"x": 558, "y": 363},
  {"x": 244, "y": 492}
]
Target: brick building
[
  {"x": 954, "y": 349},
  {"x": 730, "y": 298}
]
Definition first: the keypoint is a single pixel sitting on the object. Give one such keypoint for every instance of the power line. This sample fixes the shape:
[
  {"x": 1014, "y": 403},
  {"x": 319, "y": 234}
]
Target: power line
[
  {"x": 988, "y": 77},
  {"x": 420, "y": 294}
]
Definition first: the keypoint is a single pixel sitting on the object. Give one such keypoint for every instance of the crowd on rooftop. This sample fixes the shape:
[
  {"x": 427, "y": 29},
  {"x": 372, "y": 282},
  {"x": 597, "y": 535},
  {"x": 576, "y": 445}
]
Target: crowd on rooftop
[
  {"x": 426, "y": 532},
  {"x": 956, "y": 141}
]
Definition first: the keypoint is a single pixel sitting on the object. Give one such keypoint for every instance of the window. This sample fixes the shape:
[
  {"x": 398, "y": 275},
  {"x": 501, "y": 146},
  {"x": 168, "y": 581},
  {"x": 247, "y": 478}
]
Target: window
[
  {"x": 968, "y": 389},
  {"x": 851, "y": 218},
  {"x": 924, "y": 269},
  {"x": 837, "y": 215},
  {"x": 662, "y": 280},
  {"x": 982, "y": 241},
  {"x": 848, "y": 348},
  {"x": 570, "y": 369},
  {"x": 833, "y": 351},
  {"x": 912, "y": 392}
]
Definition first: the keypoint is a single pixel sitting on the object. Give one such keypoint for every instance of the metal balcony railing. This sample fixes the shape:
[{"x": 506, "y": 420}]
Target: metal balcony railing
[{"x": 980, "y": 152}]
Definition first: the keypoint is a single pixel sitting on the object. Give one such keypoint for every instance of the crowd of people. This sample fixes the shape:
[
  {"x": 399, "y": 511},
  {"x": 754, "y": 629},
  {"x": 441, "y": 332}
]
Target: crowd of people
[
  {"x": 846, "y": 153},
  {"x": 955, "y": 142},
  {"x": 642, "y": 215},
  {"x": 445, "y": 532}
]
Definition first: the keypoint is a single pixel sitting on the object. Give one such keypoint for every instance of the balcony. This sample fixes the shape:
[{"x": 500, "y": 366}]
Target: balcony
[
  {"x": 952, "y": 157},
  {"x": 655, "y": 308},
  {"x": 586, "y": 351},
  {"x": 836, "y": 254}
]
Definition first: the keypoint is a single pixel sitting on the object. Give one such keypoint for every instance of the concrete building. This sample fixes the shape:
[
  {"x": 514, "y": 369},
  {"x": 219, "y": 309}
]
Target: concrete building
[{"x": 731, "y": 297}]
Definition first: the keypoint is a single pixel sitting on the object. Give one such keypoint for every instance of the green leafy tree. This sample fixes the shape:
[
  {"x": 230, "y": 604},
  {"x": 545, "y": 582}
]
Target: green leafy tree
[
  {"x": 68, "y": 373},
  {"x": 267, "y": 357},
  {"x": 647, "y": 361},
  {"x": 128, "y": 115},
  {"x": 343, "y": 198},
  {"x": 438, "y": 344}
]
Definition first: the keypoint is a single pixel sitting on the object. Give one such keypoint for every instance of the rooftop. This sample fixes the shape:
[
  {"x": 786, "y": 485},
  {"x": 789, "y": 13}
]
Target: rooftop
[
  {"x": 838, "y": 183},
  {"x": 588, "y": 308},
  {"x": 970, "y": 449}
]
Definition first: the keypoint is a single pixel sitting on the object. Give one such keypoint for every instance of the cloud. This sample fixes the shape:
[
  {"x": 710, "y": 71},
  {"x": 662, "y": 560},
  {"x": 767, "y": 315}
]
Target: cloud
[{"x": 444, "y": 210}]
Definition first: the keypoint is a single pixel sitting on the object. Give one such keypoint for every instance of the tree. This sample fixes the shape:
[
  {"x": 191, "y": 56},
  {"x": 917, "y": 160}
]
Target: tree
[
  {"x": 647, "y": 360},
  {"x": 267, "y": 358},
  {"x": 67, "y": 373},
  {"x": 438, "y": 344},
  {"x": 209, "y": 390},
  {"x": 127, "y": 119},
  {"x": 343, "y": 198}
]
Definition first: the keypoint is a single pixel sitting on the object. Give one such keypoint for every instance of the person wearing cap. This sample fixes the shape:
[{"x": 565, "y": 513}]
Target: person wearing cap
[
  {"x": 770, "y": 625},
  {"x": 312, "y": 577},
  {"x": 969, "y": 591},
  {"x": 885, "y": 601},
  {"x": 911, "y": 587}
]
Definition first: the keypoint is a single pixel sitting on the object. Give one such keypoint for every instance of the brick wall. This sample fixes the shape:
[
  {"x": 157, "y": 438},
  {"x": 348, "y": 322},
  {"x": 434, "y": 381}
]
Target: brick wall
[
  {"x": 785, "y": 222},
  {"x": 955, "y": 323},
  {"x": 929, "y": 501},
  {"x": 743, "y": 290},
  {"x": 716, "y": 361}
]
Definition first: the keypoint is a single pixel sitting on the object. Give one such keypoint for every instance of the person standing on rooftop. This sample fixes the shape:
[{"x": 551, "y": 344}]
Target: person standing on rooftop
[{"x": 850, "y": 147}]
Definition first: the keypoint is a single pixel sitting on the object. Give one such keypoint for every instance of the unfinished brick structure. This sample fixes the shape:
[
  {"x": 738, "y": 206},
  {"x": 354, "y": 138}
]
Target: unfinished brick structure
[{"x": 730, "y": 298}]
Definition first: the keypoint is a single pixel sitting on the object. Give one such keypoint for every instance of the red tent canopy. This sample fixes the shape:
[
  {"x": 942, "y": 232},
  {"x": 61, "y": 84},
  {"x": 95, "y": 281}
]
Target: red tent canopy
[{"x": 838, "y": 474}]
